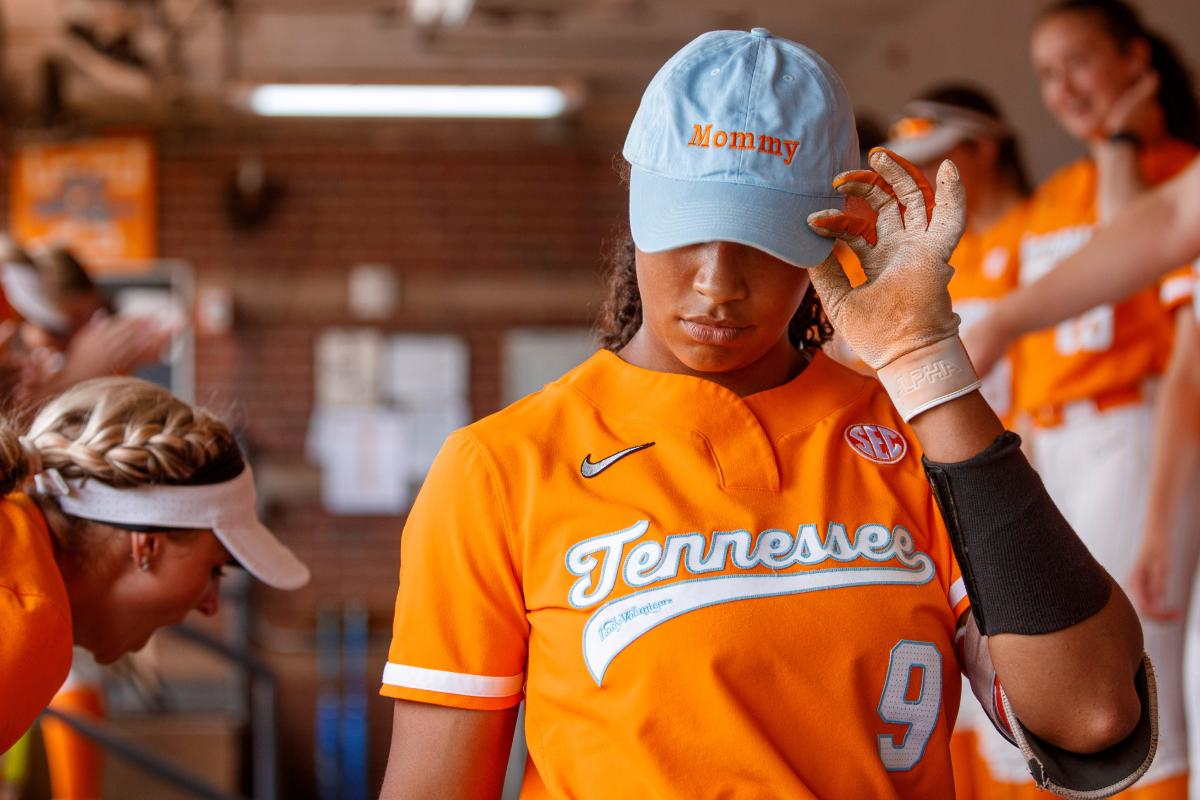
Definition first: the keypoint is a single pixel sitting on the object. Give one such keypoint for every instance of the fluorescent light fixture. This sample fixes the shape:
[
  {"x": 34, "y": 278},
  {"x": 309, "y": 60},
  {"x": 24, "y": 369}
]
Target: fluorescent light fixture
[
  {"x": 451, "y": 13},
  {"x": 366, "y": 100}
]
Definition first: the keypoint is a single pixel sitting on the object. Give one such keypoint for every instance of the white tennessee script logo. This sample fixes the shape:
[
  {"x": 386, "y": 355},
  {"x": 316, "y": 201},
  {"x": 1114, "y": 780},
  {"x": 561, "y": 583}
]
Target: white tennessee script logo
[{"x": 615, "y": 624}]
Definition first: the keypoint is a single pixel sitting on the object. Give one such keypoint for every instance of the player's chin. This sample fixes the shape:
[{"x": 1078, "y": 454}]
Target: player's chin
[
  {"x": 718, "y": 358},
  {"x": 1082, "y": 126},
  {"x": 134, "y": 644},
  {"x": 109, "y": 655}
]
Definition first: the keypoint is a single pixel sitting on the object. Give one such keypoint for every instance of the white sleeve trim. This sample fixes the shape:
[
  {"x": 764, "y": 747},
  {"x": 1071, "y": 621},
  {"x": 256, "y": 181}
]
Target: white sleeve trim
[
  {"x": 436, "y": 680},
  {"x": 958, "y": 590}
]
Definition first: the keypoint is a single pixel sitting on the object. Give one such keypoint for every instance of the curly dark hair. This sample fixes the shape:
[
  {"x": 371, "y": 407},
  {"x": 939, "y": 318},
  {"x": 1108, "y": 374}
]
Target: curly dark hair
[{"x": 621, "y": 315}]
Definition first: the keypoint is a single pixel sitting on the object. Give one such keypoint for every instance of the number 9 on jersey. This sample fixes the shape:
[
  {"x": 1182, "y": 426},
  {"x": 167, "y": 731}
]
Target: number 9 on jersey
[{"x": 911, "y": 661}]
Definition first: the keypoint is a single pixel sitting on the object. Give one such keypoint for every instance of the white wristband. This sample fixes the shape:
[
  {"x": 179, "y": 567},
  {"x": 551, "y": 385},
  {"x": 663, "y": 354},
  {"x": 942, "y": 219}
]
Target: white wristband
[{"x": 928, "y": 377}]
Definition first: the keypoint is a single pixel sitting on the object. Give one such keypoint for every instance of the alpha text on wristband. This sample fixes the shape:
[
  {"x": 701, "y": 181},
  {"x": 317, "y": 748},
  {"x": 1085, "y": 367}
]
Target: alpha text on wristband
[{"x": 928, "y": 377}]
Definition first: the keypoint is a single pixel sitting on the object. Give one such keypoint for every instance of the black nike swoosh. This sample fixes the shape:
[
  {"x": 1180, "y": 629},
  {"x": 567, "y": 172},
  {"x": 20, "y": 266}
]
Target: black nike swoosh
[{"x": 590, "y": 469}]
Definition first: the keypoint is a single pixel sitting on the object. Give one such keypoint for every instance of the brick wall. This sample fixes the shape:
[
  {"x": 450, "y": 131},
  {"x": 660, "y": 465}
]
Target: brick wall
[{"x": 484, "y": 234}]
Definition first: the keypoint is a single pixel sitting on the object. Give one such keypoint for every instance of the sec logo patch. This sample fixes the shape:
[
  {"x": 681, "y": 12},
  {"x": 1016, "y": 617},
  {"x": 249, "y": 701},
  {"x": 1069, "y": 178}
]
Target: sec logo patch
[{"x": 876, "y": 443}]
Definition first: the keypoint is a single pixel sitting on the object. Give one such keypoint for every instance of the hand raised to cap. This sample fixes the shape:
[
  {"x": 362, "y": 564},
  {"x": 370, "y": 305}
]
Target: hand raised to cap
[{"x": 897, "y": 318}]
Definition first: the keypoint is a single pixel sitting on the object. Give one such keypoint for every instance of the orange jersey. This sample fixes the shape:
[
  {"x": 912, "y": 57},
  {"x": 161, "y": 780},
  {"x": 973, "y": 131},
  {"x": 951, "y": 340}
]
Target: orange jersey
[
  {"x": 986, "y": 265},
  {"x": 1105, "y": 353},
  {"x": 696, "y": 594},
  {"x": 35, "y": 618}
]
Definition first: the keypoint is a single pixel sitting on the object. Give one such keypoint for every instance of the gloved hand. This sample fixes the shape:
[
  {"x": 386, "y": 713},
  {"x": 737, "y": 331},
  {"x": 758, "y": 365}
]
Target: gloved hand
[{"x": 900, "y": 321}]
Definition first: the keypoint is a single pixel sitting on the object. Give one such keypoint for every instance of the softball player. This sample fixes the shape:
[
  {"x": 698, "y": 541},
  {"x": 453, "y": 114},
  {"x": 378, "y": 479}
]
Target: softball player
[
  {"x": 964, "y": 125},
  {"x": 137, "y": 502},
  {"x": 1141, "y": 247},
  {"x": 709, "y": 558},
  {"x": 1089, "y": 383}
]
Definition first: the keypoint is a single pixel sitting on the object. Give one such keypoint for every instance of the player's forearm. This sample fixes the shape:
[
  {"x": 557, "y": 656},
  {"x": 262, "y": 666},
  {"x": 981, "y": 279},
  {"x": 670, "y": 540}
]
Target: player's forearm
[
  {"x": 957, "y": 430},
  {"x": 1175, "y": 468},
  {"x": 1075, "y": 687},
  {"x": 1073, "y": 663},
  {"x": 1118, "y": 177}
]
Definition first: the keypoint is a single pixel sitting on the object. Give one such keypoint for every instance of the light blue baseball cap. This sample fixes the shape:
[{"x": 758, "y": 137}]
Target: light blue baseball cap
[{"x": 737, "y": 139}]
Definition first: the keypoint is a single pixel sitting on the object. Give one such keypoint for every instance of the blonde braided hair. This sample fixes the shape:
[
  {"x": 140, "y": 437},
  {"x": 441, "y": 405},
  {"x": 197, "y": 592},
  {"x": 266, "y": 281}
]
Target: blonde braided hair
[
  {"x": 124, "y": 432},
  {"x": 18, "y": 460}
]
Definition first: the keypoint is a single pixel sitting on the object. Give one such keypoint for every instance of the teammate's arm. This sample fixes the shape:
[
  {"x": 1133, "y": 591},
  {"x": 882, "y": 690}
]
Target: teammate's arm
[
  {"x": 1156, "y": 233},
  {"x": 1119, "y": 176},
  {"x": 1161, "y": 571},
  {"x": 1119, "y": 180},
  {"x": 442, "y": 753}
]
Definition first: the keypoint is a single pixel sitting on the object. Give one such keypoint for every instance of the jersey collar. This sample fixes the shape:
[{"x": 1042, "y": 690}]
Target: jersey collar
[{"x": 742, "y": 433}]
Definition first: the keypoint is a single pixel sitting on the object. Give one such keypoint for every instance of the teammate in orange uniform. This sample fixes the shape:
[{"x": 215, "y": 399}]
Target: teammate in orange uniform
[
  {"x": 137, "y": 503},
  {"x": 64, "y": 335},
  {"x": 1139, "y": 248},
  {"x": 708, "y": 558},
  {"x": 963, "y": 124},
  {"x": 1088, "y": 383}
]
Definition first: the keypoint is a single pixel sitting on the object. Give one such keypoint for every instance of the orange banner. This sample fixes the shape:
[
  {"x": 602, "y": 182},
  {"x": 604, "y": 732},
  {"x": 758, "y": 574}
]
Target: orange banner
[{"x": 96, "y": 196}]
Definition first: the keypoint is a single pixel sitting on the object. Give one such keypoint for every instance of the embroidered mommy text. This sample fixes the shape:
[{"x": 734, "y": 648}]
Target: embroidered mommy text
[{"x": 705, "y": 136}]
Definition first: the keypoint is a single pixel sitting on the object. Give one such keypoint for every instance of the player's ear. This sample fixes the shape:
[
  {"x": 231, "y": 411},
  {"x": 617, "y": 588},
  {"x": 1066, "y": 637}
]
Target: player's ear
[{"x": 144, "y": 549}]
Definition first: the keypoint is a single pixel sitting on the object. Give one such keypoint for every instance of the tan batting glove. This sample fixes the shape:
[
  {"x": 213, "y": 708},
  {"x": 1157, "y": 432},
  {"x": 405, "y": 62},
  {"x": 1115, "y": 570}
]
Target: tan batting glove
[{"x": 900, "y": 321}]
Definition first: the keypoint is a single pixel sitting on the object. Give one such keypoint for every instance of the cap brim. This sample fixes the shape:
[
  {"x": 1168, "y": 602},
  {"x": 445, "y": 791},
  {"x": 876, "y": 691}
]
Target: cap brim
[
  {"x": 665, "y": 213},
  {"x": 933, "y": 145},
  {"x": 263, "y": 555}
]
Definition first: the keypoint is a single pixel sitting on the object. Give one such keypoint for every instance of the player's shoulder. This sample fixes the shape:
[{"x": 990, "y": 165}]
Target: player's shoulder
[
  {"x": 28, "y": 553},
  {"x": 1167, "y": 159},
  {"x": 1066, "y": 199},
  {"x": 847, "y": 387},
  {"x": 540, "y": 418},
  {"x": 867, "y": 426},
  {"x": 1012, "y": 221},
  {"x": 36, "y": 624},
  {"x": 1067, "y": 179},
  {"x": 35, "y": 612}
]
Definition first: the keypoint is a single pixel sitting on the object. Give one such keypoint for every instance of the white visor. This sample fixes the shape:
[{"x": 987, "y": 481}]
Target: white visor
[
  {"x": 229, "y": 509},
  {"x": 929, "y": 130},
  {"x": 23, "y": 288}
]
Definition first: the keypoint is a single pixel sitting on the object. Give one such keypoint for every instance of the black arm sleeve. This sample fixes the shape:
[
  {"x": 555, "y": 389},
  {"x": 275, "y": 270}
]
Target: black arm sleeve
[{"x": 1025, "y": 570}]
